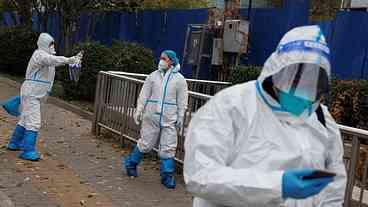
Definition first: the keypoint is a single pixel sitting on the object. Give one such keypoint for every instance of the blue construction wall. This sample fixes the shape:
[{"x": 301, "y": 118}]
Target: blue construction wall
[
  {"x": 347, "y": 36},
  {"x": 8, "y": 19},
  {"x": 159, "y": 30},
  {"x": 269, "y": 25}
]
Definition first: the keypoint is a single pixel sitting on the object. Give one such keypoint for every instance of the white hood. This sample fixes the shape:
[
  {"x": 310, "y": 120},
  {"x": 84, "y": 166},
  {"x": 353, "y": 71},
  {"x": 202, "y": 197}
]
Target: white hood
[
  {"x": 304, "y": 44},
  {"x": 44, "y": 41}
]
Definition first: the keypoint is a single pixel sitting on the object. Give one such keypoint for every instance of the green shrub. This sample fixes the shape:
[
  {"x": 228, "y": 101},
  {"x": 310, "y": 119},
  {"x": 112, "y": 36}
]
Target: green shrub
[
  {"x": 349, "y": 102},
  {"x": 131, "y": 57},
  {"x": 242, "y": 74},
  {"x": 16, "y": 48},
  {"x": 121, "y": 56}
]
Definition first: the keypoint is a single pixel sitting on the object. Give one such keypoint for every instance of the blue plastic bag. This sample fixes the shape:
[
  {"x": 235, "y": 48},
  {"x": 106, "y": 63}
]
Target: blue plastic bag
[
  {"x": 74, "y": 72},
  {"x": 12, "y": 105},
  {"x": 75, "y": 69}
]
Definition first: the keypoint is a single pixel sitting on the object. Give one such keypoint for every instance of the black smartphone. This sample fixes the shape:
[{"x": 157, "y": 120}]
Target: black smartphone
[{"x": 319, "y": 174}]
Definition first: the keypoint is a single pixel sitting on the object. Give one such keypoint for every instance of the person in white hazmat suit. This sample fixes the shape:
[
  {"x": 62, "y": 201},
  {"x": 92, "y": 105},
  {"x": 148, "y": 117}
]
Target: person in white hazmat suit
[
  {"x": 256, "y": 144},
  {"x": 36, "y": 86},
  {"x": 161, "y": 107}
]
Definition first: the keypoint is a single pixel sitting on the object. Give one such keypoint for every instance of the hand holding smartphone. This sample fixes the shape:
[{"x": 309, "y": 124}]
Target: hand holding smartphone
[{"x": 319, "y": 174}]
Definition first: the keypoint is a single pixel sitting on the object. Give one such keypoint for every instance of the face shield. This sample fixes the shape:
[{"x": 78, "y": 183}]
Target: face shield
[
  {"x": 300, "y": 86},
  {"x": 303, "y": 80}
]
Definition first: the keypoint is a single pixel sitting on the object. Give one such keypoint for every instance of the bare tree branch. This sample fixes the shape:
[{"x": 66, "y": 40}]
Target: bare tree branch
[{"x": 14, "y": 3}]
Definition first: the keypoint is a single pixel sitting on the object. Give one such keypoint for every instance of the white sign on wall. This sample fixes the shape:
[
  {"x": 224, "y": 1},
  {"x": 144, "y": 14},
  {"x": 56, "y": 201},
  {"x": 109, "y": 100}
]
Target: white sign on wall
[{"x": 359, "y": 4}]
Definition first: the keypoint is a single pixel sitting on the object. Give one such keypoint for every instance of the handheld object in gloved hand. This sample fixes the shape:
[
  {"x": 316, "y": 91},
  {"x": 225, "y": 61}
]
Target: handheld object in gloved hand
[
  {"x": 319, "y": 174},
  {"x": 295, "y": 186},
  {"x": 75, "y": 68}
]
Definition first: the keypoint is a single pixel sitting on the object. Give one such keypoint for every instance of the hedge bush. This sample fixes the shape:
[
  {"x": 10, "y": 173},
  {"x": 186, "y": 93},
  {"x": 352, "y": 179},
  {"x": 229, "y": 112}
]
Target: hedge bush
[
  {"x": 349, "y": 102},
  {"x": 242, "y": 74},
  {"x": 131, "y": 57},
  {"x": 16, "y": 48},
  {"x": 121, "y": 56}
]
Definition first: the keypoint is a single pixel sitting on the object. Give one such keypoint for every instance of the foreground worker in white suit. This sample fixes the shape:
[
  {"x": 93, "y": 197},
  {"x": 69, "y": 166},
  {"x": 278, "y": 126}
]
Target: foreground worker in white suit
[
  {"x": 37, "y": 85},
  {"x": 260, "y": 143}
]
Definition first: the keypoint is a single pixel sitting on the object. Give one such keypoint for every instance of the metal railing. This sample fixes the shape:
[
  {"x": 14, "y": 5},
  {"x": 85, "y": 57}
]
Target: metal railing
[
  {"x": 115, "y": 104},
  {"x": 199, "y": 86},
  {"x": 355, "y": 140}
]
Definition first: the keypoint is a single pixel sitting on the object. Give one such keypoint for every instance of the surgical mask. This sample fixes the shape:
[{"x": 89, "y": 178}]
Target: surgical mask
[
  {"x": 162, "y": 65},
  {"x": 52, "y": 50},
  {"x": 293, "y": 104}
]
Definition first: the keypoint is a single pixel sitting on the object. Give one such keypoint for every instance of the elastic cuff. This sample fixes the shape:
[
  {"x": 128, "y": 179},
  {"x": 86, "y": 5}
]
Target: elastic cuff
[{"x": 277, "y": 178}]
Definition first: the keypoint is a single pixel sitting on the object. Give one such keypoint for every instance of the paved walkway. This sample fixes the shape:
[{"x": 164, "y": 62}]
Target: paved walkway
[{"x": 77, "y": 169}]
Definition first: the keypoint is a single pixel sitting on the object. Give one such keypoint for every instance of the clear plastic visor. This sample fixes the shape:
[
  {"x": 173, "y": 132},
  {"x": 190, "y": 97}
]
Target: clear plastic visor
[{"x": 304, "y": 80}]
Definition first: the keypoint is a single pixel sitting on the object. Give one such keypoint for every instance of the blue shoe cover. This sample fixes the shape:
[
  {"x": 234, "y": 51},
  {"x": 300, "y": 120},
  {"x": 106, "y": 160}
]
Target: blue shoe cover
[
  {"x": 167, "y": 169},
  {"x": 11, "y": 106},
  {"x": 132, "y": 161},
  {"x": 16, "y": 141},
  {"x": 31, "y": 156},
  {"x": 29, "y": 146}
]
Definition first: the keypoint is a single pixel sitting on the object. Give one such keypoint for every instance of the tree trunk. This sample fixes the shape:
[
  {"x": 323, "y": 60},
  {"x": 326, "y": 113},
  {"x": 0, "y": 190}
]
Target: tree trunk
[
  {"x": 67, "y": 34},
  {"x": 25, "y": 8},
  {"x": 68, "y": 43}
]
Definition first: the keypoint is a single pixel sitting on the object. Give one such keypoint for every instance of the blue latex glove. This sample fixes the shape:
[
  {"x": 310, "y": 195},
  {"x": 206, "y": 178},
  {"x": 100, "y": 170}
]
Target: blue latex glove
[{"x": 294, "y": 186}]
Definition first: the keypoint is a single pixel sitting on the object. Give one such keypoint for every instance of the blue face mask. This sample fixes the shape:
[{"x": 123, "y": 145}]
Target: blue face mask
[{"x": 293, "y": 104}]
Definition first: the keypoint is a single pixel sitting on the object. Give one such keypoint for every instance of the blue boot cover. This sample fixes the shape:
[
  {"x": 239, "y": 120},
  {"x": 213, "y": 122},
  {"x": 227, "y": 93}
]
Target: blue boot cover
[
  {"x": 11, "y": 106},
  {"x": 132, "y": 161},
  {"x": 167, "y": 169},
  {"x": 16, "y": 140},
  {"x": 29, "y": 146}
]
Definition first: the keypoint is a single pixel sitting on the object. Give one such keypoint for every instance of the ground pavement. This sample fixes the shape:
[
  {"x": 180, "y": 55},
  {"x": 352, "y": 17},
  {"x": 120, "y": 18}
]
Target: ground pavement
[{"x": 77, "y": 169}]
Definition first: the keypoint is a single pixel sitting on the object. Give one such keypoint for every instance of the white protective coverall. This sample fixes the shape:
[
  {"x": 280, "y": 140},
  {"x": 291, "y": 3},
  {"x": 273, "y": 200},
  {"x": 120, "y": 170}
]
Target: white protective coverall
[
  {"x": 164, "y": 99},
  {"x": 38, "y": 83},
  {"x": 240, "y": 143}
]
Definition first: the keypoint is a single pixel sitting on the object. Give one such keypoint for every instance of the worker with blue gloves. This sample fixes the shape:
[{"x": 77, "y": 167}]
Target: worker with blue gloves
[
  {"x": 35, "y": 88},
  {"x": 160, "y": 109},
  {"x": 266, "y": 142}
]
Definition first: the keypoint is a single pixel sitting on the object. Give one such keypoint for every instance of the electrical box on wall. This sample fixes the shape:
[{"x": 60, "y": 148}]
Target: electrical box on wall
[
  {"x": 217, "y": 52},
  {"x": 358, "y": 3},
  {"x": 236, "y": 36},
  {"x": 193, "y": 47}
]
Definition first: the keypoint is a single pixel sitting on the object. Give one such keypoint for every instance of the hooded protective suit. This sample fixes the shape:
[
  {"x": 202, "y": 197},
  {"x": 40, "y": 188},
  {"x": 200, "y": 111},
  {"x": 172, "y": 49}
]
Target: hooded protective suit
[
  {"x": 240, "y": 143},
  {"x": 39, "y": 80},
  {"x": 163, "y": 99},
  {"x": 37, "y": 85},
  {"x": 162, "y": 103}
]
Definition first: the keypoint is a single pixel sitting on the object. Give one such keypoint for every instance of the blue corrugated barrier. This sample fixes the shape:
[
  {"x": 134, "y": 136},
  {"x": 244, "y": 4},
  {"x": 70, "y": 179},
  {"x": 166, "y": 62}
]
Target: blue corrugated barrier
[
  {"x": 347, "y": 38},
  {"x": 159, "y": 30},
  {"x": 269, "y": 25},
  {"x": 9, "y": 19},
  {"x": 349, "y": 45}
]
